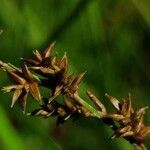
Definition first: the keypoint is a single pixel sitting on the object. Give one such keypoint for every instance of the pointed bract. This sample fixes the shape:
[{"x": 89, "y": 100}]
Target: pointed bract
[
  {"x": 27, "y": 74},
  {"x": 31, "y": 61},
  {"x": 75, "y": 83},
  {"x": 34, "y": 90},
  {"x": 48, "y": 50},
  {"x": 114, "y": 101},
  {"x": 23, "y": 100},
  {"x": 16, "y": 96},
  {"x": 63, "y": 63},
  {"x": 115, "y": 117},
  {"x": 37, "y": 55},
  {"x": 16, "y": 78},
  {"x": 11, "y": 88},
  {"x": 6, "y": 66},
  {"x": 97, "y": 102}
]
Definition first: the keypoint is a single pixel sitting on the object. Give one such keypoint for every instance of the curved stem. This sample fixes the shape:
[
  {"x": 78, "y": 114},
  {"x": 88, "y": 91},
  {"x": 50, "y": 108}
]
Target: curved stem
[{"x": 92, "y": 110}]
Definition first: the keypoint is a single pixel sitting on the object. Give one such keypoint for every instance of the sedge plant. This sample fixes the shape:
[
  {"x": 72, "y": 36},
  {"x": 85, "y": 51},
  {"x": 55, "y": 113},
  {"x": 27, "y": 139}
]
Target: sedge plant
[{"x": 46, "y": 70}]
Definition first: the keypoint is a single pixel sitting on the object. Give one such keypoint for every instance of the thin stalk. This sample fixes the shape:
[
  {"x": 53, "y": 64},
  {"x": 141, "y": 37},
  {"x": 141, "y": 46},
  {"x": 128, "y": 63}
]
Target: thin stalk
[{"x": 92, "y": 110}]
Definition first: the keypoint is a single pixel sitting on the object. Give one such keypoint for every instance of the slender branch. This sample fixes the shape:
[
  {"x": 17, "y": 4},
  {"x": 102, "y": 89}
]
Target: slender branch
[{"x": 92, "y": 110}]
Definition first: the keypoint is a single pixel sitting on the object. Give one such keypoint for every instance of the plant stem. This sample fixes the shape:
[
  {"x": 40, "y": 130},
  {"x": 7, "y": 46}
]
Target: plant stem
[{"x": 92, "y": 110}]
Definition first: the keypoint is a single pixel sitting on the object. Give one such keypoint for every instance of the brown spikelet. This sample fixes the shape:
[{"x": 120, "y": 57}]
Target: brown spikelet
[{"x": 25, "y": 82}]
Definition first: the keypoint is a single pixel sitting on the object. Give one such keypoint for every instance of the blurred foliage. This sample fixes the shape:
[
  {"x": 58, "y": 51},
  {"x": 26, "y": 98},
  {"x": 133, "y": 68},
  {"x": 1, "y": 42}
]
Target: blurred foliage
[{"x": 108, "y": 39}]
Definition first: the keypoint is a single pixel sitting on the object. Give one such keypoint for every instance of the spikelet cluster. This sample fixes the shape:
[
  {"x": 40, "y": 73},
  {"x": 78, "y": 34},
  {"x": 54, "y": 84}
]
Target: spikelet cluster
[{"x": 46, "y": 70}]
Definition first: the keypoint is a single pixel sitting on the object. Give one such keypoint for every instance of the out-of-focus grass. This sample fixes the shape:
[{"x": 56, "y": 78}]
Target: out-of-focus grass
[
  {"x": 143, "y": 7},
  {"x": 8, "y": 136},
  {"x": 108, "y": 39}
]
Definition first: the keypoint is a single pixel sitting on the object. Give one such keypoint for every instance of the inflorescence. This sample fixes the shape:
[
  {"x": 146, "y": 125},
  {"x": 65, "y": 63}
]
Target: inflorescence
[{"x": 46, "y": 70}]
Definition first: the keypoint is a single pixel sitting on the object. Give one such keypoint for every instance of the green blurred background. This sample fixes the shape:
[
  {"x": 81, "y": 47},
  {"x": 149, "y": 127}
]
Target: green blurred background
[{"x": 110, "y": 39}]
